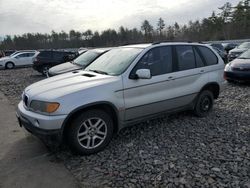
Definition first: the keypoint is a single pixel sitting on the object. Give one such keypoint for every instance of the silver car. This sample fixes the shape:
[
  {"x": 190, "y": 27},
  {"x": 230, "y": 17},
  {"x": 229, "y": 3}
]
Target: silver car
[{"x": 126, "y": 85}]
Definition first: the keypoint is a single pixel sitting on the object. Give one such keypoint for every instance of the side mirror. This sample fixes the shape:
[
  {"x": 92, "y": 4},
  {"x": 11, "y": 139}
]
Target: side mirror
[{"x": 143, "y": 74}]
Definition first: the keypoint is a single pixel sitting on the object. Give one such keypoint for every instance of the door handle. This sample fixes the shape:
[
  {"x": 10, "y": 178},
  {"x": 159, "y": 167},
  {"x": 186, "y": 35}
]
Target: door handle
[
  {"x": 202, "y": 71},
  {"x": 171, "y": 78}
]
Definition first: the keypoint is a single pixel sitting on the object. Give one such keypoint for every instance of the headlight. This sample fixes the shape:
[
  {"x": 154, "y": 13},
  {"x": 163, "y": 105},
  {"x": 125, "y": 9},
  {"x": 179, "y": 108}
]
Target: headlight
[
  {"x": 228, "y": 67},
  {"x": 44, "y": 107}
]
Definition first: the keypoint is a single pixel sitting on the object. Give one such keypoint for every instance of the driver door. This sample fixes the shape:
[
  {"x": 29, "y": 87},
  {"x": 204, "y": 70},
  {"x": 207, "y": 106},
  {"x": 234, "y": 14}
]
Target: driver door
[
  {"x": 150, "y": 96},
  {"x": 21, "y": 59}
]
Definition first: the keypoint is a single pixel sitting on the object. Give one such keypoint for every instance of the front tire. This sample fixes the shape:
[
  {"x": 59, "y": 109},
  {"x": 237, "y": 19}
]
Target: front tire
[
  {"x": 204, "y": 103},
  {"x": 90, "y": 132},
  {"x": 9, "y": 65}
]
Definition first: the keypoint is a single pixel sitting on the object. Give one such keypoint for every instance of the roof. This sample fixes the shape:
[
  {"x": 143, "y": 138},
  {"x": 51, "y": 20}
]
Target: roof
[{"x": 138, "y": 45}]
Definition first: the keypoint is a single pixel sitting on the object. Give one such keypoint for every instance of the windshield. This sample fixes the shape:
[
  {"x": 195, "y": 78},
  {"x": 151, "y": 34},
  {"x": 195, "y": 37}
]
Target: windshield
[
  {"x": 244, "y": 45},
  {"x": 11, "y": 55},
  {"x": 115, "y": 61},
  {"x": 86, "y": 58},
  {"x": 245, "y": 55}
]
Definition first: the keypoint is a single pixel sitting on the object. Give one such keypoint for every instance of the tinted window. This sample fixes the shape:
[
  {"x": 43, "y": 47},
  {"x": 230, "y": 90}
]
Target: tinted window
[
  {"x": 46, "y": 54},
  {"x": 186, "y": 58},
  {"x": 59, "y": 55},
  {"x": 21, "y": 55},
  {"x": 209, "y": 56},
  {"x": 157, "y": 60},
  {"x": 199, "y": 61},
  {"x": 30, "y": 54}
]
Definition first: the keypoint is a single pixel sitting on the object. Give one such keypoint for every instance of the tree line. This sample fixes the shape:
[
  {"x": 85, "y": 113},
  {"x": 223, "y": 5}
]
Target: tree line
[{"x": 232, "y": 22}]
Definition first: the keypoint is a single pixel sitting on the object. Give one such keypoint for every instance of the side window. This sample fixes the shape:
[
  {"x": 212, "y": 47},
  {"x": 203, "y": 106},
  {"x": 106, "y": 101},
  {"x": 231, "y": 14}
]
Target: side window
[
  {"x": 21, "y": 55},
  {"x": 45, "y": 54},
  {"x": 198, "y": 59},
  {"x": 186, "y": 58},
  {"x": 209, "y": 56},
  {"x": 31, "y": 54},
  {"x": 157, "y": 60},
  {"x": 58, "y": 55}
]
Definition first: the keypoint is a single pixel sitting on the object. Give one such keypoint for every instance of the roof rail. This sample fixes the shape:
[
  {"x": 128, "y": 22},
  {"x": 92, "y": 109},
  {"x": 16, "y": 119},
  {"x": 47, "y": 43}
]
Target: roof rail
[{"x": 158, "y": 42}]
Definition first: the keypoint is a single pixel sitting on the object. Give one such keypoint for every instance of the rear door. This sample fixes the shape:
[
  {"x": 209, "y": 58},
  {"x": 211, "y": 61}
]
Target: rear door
[
  {"x": 58, "y": 57},
  {"x": 190, "y": 74},
  {"x": 30, "y": 56}
]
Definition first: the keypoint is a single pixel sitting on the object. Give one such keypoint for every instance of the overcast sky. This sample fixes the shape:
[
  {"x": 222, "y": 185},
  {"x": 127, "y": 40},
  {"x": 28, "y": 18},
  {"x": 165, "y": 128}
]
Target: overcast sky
[{"x": 22, "y": 16}]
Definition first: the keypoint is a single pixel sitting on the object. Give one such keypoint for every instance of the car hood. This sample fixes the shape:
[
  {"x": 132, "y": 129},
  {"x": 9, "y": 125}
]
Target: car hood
[
  {"x": 238, "y": 50},
  {"x": 243, "y": 63},
  {"x": 68, "y": 83},
  {"x": 5, "y": 58},
  {"x": 65, "y": 67}
]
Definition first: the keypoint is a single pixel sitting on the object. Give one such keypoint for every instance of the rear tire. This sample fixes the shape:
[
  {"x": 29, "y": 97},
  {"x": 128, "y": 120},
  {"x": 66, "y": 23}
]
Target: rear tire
[
  {"x": 204, "y": 103},
  {"x": 45, "y": 70},
  {"x": 9, "y": 65},
  {"x": 90, "y": 132}
]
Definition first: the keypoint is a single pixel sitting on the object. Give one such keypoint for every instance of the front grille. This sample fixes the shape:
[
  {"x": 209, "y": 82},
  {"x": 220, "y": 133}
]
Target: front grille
[{"x": 25, "y": 100}]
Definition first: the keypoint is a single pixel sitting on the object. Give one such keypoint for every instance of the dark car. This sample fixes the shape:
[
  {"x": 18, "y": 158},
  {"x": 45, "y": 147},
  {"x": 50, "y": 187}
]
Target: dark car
[
  {"x": 217, "y": 45},
  {"x": 229, "y": 46},
  {"x": 49, "y": 58},
  {"x": 223, "y": 54},
  {"x": 8, "y": 52},
  {"x": 239, "y": 68},
  {"x": 79, "y": 63}
]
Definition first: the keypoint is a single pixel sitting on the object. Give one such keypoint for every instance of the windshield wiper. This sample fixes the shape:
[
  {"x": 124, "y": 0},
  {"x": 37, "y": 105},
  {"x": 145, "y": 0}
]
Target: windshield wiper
[{"x": 99, "y": 71}]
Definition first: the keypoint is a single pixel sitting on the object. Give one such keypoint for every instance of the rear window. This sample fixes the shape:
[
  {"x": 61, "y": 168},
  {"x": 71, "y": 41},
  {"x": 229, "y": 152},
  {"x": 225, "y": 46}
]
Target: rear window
[
  {"x": 209, "y": 56},
  {"x": 46, "y": 54}
]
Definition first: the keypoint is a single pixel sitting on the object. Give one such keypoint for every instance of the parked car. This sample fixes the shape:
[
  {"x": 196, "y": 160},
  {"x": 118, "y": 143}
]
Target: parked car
[
  {"x": 80, "y": 62},
  {"x": 218, "y": 46},
  {"x": 239, "y": 68},
  {"x": 222, "y": 54},
  {"x": 49, "y": 58},
  {"x": 17, "y": 60},
  {"x": 234, "y": 53},
  {"x": 21, "y": 51},
  {"x": 229, "y": 46},
  {"x": 8, "y": 52},
  {"x": 122, "y": 87}
]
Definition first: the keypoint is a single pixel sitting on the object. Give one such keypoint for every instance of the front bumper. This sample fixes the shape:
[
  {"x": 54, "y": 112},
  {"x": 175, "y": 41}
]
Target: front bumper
[
  {"x": 237, "y": 76},
  {"x": 40, "y": 125}
]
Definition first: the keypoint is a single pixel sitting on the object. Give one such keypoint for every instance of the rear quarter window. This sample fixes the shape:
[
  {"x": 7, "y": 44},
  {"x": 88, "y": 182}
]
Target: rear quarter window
[{"x": 209, "y": 56}]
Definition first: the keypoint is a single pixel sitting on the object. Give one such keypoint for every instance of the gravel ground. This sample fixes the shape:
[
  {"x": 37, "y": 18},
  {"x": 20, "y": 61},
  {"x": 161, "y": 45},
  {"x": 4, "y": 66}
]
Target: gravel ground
[{"x": 172, "y": 151}]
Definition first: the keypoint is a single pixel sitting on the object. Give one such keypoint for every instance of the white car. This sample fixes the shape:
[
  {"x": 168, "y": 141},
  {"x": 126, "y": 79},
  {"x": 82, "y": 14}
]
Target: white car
[
  {"x": 123, "y": 86},
  {"x": 17, "y": 60}
]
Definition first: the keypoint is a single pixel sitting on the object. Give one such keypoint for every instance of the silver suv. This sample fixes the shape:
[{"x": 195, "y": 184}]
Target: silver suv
[{"x": 125, "y": 85}]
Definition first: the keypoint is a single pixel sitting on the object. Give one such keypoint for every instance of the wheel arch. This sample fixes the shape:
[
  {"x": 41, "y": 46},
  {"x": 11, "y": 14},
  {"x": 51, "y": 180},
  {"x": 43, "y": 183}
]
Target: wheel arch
[
  {"x": 103, "y": 105},
  {"x": 9, "y": 62},
  {"x": 213, "y": 87}
]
